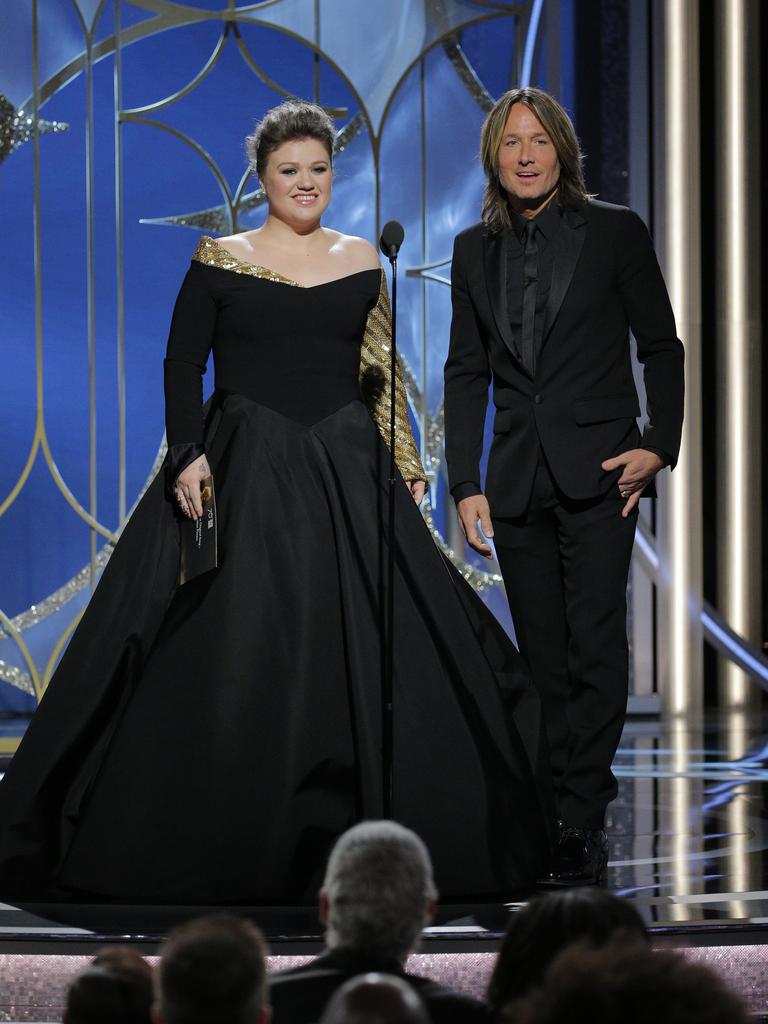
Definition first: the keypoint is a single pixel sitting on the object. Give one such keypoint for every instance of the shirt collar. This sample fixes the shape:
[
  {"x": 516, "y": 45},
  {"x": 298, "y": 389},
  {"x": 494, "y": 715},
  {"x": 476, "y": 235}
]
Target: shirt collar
[{"x": 546, "y": 221}]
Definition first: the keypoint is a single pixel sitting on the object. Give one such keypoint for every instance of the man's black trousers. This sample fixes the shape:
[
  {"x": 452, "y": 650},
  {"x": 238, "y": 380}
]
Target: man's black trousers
[{"x": 565, "y": 565}]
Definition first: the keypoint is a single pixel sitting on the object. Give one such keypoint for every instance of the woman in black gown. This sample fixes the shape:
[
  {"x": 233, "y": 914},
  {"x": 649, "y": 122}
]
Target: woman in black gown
[{"x": 207, "y": 743}]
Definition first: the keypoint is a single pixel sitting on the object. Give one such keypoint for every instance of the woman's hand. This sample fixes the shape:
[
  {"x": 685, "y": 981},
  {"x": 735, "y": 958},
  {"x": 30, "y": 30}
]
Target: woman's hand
[
  {"x": 418, "y": 489},
  {"x": 188, "y": 485}
]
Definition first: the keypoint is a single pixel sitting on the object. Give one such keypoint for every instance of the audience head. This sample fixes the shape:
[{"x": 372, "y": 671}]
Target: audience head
[
  {"x": 212, "y": 971},
  {"x": 375, "y": 999},
  {"x": 550, "y": 923},
  {"x": 115, "y": 987},
  {"x": 585, "y": 985},
  {"x": 378, "y": 891}
]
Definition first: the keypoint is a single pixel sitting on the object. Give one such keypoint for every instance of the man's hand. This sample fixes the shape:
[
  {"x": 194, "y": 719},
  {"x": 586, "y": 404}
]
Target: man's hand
[
  {"x": 640, "y": 467},
  {"x": 470, "y": 510},
  {"x": 418, "y": 489}
]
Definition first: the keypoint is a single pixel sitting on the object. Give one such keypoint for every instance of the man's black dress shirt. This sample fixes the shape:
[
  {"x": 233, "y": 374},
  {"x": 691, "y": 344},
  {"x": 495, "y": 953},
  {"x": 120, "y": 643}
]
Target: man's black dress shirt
[{"x": 547, "y": 225}]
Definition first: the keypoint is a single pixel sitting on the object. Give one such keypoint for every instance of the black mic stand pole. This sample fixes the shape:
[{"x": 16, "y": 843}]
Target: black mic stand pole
[{"x": 391, "y": 239}]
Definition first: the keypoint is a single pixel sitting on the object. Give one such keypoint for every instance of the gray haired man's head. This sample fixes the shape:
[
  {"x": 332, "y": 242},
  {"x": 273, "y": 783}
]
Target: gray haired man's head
[{"x": 378, "y": 891}]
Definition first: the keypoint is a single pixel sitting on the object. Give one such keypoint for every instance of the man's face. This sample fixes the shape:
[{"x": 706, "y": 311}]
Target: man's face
[{"x": 529, "y": 168}]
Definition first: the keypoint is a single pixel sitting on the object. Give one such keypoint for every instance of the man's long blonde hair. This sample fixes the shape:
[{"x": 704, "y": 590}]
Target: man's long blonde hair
[{"x": 571, "y": 190}]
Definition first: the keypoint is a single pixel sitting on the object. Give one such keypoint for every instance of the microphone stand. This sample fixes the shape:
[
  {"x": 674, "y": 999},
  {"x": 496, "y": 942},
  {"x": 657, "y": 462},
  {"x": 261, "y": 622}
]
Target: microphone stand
[
  {"x": 391, "y": 240},
  {"x": 387, "y": 689}
]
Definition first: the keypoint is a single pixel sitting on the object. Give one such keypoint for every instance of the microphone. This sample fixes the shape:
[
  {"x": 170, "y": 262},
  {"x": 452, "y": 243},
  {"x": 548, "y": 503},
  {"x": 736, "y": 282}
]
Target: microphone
[{"x": 391, "y": 239}]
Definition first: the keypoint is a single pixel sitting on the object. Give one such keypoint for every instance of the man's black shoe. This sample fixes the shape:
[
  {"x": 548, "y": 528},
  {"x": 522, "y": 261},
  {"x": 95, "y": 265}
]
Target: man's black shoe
[{"x": 581, "y": 857}]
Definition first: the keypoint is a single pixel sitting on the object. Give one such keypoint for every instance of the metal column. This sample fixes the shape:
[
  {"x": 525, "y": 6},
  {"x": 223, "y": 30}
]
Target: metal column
[
  {"x": 737, "y": 213},
  {"x": 680, "y": 517}
]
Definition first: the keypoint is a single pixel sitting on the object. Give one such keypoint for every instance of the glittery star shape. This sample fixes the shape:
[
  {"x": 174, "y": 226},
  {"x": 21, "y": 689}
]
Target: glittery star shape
[{"x": 18, "y": 127}]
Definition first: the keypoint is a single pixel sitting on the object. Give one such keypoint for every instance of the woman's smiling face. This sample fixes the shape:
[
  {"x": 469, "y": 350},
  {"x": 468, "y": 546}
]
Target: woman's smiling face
[{"x": 298, "y": 181}]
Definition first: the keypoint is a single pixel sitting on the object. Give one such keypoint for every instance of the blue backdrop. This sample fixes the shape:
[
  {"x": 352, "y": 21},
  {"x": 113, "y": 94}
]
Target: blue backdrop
[{"x": 141, "y": 112}]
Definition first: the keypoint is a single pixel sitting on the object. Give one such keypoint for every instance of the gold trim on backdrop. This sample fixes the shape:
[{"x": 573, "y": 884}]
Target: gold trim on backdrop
[
  {"x": 205, "y": 156},
  {"x": 467, "y": 74},
  {"x": 212, "y": 220},
  {"x": 90, "y": 257},
  {"x": 56, "y": 601},
  {"x": 40, "y": 437},
  {"x": 200, "y": 77},
  {"x": 58, "y": 648},
  {"x": 271, "y": 83},
  {"x": 17, "y": 677},
  {"x": 18, "y": 639},
  {"x": 59, "y": 598}
]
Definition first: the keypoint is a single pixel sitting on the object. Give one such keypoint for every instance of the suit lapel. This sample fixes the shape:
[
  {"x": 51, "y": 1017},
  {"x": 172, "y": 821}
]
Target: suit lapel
[
  {"x": 496, "y": 282},
  {"x": 567, "y": 242}
]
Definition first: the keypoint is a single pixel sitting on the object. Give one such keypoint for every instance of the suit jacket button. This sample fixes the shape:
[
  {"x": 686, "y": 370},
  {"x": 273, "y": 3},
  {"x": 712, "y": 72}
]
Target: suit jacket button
[{"x": 538, "y": 399}]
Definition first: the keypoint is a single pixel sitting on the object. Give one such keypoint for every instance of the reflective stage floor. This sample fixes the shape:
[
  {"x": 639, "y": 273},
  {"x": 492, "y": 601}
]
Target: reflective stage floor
[
  {"x": 689, "y": 847},
  {"x": 689, "y": 836}
]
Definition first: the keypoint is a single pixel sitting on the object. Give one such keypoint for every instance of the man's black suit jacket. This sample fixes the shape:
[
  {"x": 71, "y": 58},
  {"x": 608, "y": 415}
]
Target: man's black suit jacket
[
  {"x": 582, "y": 404},
  {"x": 299, "y": 996}
]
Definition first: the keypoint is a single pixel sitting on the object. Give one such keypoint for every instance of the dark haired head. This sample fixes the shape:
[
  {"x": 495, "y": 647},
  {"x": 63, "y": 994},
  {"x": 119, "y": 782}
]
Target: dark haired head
[
  {"x": 292, "y": 120},
  {"x": 547, "y": 925},
  {"x": 632, "y": 985},
  {"x": 116, "y": 987},
  {"x": 212, "y": 971}
]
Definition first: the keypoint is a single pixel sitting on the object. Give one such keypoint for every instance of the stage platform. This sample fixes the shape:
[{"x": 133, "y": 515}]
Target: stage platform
[{"x": 688, "y": 845}]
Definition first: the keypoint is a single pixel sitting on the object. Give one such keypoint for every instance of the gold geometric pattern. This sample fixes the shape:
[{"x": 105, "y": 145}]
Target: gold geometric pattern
[
  {"x": 375, "y": 386},
  {"x": 212, "y": 254}
]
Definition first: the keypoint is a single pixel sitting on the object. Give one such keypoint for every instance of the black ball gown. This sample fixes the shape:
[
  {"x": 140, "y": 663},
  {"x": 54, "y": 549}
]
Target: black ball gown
[{"x": 207, "y": 743}]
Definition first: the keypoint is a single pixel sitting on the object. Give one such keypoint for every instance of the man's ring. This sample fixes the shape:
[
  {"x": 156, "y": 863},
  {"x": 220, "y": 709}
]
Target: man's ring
[{"x": 624, "y": 494}]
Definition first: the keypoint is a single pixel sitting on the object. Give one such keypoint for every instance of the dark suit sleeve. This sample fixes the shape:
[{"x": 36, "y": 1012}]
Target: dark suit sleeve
[
  {"x": 467, "y": 375},
  {"x": 648, "y": 309}
]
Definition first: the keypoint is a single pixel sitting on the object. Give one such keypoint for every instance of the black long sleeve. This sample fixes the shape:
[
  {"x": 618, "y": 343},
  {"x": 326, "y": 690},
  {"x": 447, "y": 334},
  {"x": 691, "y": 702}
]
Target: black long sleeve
[
  {"x": 649, "y": 312},
  {"x": 189, "y": 345},
  {"x": 467, "y": 376}
]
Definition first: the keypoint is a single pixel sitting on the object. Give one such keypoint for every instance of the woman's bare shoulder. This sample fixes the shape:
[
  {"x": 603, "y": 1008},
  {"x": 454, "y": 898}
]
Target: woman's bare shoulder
[
  {"x": 358, "y": 253},
  {"x": 240, "y": 245}
]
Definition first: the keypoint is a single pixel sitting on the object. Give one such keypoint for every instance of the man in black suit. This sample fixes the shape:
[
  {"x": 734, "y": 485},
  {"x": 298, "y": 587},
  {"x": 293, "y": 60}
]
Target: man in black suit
[
  {"x": 377, "y": 895},
  {"x": 545, "y": 292}
]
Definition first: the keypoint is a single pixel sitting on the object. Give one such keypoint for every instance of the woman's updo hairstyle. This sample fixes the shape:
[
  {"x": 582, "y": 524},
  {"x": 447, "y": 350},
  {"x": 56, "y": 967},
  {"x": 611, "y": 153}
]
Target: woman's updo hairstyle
[{"x": 293, "y": 119}]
